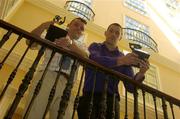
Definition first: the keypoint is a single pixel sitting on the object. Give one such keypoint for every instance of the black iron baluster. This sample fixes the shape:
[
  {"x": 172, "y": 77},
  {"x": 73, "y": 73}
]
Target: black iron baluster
[
  {"x": 53, "y": 89},
  {"x": 76, "y": 102},
  {"x": 171, "y": 106},
  {"x": 24, "y": 85},
  {"x": 92, "y": 96},
  {"x": 13, "y": 74},
  {"x": 38, "y": 87},
  {"x": 18, "y": 39},
  {"x": 114, "y": 103},
  {"x": 137, "y": 35},
  {"x": 136, "y": 113},
  {"x": 126, "y": 104},
  {"x": 67, "y": 91},
  {"x": 103, "y": 104},
  {"x": 164, "y": 106},
  {"x": 144, "y": 103},
  {"x": 155, "y": 106},
  {"x": 5, "y": 38}
]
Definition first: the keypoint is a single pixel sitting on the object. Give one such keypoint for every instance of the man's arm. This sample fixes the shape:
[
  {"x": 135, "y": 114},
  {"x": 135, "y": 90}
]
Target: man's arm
[
  {"x": 81, "y": 51},
  {"x": 67, "y": 43},
  {"x": 144, "y": 66},
  {"x": 140, "y": 76},
  {"x": 38, "y": 31}
]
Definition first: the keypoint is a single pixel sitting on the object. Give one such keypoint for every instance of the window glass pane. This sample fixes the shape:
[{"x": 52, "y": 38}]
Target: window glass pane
[
  {"x": 137, "y": 5},
  {"x": 140, "y": 38}
]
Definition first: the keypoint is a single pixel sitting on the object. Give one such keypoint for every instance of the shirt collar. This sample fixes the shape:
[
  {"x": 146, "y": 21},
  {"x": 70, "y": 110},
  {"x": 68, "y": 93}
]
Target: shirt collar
[{"x": 113, "y": 51}]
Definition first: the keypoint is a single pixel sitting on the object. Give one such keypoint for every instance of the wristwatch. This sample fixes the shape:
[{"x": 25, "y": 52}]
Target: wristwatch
[{"x": 70, "y": 43}]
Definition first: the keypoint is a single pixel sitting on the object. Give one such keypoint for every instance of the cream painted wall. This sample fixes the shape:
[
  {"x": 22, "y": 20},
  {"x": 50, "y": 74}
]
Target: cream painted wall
[
  {"x": 59, "y": 3},
  {"x": 170, "y": 80},
  {"x": 28, "y": 20},
  {"x": 30, "y": 16}
]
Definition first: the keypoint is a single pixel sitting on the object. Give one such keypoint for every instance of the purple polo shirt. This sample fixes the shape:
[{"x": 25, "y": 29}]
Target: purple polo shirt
[{"x": 102, "y": 55}]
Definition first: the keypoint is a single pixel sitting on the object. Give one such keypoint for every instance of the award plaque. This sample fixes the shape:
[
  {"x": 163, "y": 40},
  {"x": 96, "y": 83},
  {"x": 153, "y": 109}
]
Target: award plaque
[{"x": 55, "y": 32}]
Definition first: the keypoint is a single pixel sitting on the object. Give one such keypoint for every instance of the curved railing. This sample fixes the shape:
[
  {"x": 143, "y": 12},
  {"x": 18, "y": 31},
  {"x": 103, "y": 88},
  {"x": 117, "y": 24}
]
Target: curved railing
[
  {"x": 141, "y": 38},
  {"x": 84, "y": 62},
  {"x": 80, "y": 9}
]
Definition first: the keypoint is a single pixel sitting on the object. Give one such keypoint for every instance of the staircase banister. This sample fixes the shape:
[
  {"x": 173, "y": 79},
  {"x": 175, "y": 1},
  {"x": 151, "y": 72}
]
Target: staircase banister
[{"x": 86, "y": 61}]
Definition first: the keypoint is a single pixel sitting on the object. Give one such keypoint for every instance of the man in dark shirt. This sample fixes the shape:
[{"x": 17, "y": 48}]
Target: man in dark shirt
[{"x": 108, "y": 54}]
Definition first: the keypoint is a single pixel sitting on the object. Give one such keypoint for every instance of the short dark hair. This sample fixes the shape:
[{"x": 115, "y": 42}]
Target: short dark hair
[
  {"x": 81, "y": 19},
  {"x": 115, "y": 24}
]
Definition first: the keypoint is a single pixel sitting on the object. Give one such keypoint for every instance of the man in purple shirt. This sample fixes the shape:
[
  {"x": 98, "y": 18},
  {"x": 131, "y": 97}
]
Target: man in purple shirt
[{"x": 108, "y": 54}]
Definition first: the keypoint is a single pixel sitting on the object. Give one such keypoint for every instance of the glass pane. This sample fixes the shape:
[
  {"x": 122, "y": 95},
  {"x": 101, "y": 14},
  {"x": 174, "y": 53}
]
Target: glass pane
[{"x": 137, "y": 5}]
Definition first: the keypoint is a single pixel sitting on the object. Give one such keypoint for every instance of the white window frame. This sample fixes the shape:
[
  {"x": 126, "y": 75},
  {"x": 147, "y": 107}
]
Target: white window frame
[{"x": 137, "y": 24}]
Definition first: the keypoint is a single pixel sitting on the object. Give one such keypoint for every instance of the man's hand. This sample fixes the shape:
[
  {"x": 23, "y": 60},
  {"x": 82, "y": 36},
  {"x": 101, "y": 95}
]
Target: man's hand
[
  {"x": 144, "y": 66},
  {"x": 64, "y": 42},
  {"x": 38, "y": 31},
  {"x": 129, "y": 59}
]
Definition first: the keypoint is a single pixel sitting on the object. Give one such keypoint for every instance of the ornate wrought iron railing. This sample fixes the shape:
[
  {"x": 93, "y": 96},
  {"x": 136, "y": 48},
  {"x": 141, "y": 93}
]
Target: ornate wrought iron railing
[
  {"x": 140, "y": 38},
  {"x": 80, "y": 9},
  {"x": 86, "y": 63}
]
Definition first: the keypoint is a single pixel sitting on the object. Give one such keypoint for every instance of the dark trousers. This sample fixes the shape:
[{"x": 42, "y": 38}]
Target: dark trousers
[{"x": 84, "y": 103}]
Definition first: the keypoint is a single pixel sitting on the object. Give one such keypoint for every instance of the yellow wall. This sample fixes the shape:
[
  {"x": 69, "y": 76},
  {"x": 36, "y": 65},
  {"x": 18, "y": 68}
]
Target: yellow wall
[
  {"x": 30, "y": 16},
  {"x": 110, "y": 11}
]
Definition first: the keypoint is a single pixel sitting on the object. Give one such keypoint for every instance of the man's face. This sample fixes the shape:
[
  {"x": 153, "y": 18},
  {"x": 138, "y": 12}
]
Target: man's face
[
  {"x": 113, "y": 34},
  {"x": 76, "y": 29}
]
